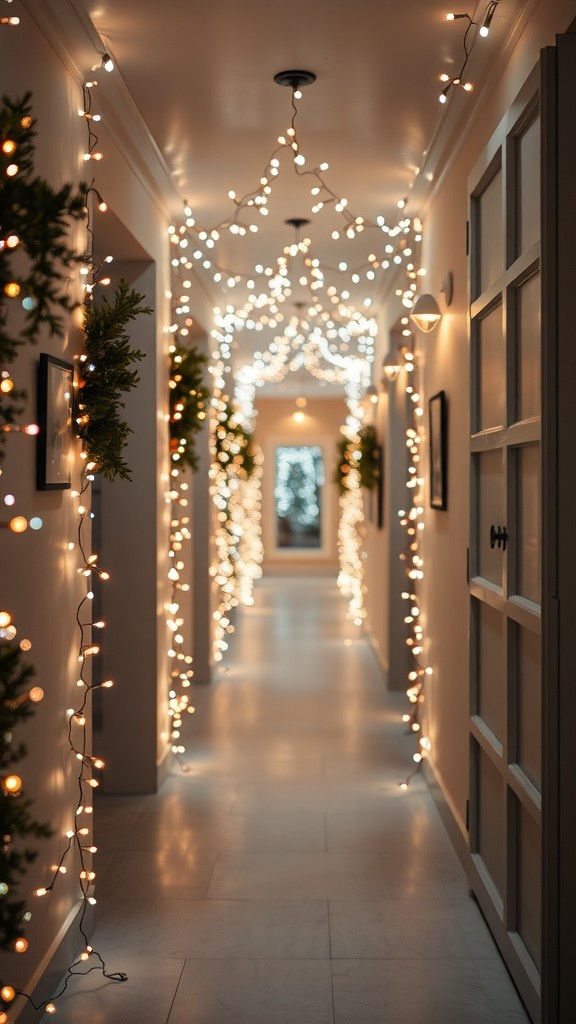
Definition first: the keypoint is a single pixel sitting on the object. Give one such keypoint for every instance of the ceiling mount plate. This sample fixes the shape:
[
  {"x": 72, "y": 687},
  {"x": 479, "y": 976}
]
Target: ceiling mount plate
[
  {"x": 295, "y": 79},
  {"x": 297, "y": 222}
]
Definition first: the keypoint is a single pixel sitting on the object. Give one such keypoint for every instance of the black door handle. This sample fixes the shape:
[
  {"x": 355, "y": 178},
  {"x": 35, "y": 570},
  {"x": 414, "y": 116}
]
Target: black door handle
[{"x": 498, "y": 537}]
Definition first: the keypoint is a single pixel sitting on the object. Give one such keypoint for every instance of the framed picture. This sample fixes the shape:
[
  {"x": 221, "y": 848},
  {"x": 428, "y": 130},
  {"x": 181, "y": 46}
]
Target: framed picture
[
  {"x": 55, "y": 400},
  {"x": 438, "y": 451}
]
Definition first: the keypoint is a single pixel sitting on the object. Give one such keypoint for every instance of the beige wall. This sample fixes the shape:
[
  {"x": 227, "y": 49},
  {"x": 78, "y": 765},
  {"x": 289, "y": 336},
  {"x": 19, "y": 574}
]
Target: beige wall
[{"x": 275, "y": 424}]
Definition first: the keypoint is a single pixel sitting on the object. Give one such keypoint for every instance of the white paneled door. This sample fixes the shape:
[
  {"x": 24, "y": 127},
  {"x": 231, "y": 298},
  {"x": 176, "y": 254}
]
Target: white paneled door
[{"x": 505, "y": 539}]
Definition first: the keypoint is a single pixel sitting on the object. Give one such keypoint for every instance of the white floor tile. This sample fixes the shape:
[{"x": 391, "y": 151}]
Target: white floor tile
[
  {"x": 254, "y": 992},
  {"x": 280, "y": 876}
]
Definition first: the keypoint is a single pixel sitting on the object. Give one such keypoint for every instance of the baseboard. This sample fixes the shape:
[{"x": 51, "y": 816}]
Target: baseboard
[
  {"x": 382, "y": 662},
  {"x": 525, "y": 980},
  {"x": 458, "y": 840},
  {"x": 63, "y": 951},
  {"x": 164, "y": 766}
]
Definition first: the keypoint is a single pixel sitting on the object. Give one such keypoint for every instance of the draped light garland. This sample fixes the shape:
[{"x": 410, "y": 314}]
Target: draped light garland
[
  {"x": 329, "y": 337},
  {"x": 235, "y": 489},
  {"x": 412, "y": 520},
  {"x": 77, "y": 837}
]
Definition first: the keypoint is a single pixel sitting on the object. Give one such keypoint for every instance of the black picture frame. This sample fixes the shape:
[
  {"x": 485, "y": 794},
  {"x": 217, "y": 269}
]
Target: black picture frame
[
  {"x": 55, "y": 405},
  {"x": 437, "y": 450}
]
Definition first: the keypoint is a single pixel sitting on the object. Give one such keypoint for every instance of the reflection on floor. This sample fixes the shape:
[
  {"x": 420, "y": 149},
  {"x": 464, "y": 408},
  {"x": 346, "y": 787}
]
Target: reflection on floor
[{"x": 283, "y": 877}]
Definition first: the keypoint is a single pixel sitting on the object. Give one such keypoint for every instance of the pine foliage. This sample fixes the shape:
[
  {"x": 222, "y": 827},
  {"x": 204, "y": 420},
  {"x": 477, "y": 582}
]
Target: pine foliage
[
  {"x": 363, "y": 455},
  {"x": 107, "y": 374},
  {"x": 189, "y": 400},
  {"x": 36, "y": 219},
  {"x": 39, "y": 216},
  {"x": 15, "y": 809},
  {"x": 235, "y": 448}
]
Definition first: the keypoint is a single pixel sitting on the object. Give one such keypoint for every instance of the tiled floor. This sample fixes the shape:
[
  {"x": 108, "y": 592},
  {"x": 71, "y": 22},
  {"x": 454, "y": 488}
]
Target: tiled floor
[{"x": 281, "y": 876}]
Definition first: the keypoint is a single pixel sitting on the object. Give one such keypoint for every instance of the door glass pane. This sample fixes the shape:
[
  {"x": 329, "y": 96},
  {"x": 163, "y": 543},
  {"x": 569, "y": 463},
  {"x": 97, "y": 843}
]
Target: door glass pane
[
  {"x": 529, "y": 883},
  {"x": 528, "y": 376},
  {"x": 528, "y": 186},
  {"x": 491, "y": 232},
  {"x": 528, "y": 527},
  {"x": 491, "y": 364},
  {"x": 491, "y": 820},
  {"x": 490, "y": 686},
  {"x": 490, "y": 489},
  {"x": 525, "y": 652},
  {"x": 298, "y": 496}
]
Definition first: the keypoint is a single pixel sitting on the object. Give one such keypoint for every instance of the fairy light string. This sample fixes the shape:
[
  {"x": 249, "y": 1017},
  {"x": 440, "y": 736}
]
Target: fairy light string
[
  {"x": 472, "y": 33},
  {"x": 78, "y": 839},
  {"x": 412, "y": 520},
  {"x": 9, "y": 21}
]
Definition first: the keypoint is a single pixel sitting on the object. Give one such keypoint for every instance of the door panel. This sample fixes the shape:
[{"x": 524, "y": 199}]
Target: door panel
[
  {"x": 491, "y": 512},
  {"x": 528, "y": 185},
  {"x": 525, "y": 649},
  {"x": 529, "y": 909},
  {"x": 491, "y": 370},
  {"x": 491, "y": 695},
  {"x": 528, "y": 378},
  {"x": 489, "y": 220},
  {"x": 528, "y": 497},
  {"x": 505, "y": 538},
  {"x": 491, "y": 837}
]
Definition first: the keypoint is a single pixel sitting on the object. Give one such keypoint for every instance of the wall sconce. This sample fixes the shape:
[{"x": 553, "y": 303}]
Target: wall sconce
[
  {"x": 299, "y": 415},
  {"x": 426, "y": 313},
  {"x": 390, "y": 368}
]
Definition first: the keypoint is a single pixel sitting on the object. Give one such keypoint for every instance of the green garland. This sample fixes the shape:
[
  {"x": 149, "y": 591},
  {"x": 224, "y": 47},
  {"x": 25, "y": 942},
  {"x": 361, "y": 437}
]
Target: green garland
[
  {"x": 189, "y": 400},
  {"x": 234, "y": 445},
  {"x": 105, "y": 375},
  {"x": 15, "y": 806},
  {"x": 34, "y": 223},
  {"x": 362, "y": 455}
]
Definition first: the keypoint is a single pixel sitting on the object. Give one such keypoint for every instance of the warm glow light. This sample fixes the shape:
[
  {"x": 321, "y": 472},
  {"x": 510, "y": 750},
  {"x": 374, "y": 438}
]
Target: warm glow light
[
  {"x": 11, "y": 784},
  {"x": 18, "y": 524}
]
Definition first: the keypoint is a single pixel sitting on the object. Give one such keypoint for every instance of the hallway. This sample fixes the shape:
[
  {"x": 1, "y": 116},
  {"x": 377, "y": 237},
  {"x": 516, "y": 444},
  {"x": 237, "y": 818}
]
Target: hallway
[{"x": 281, "y": 876}]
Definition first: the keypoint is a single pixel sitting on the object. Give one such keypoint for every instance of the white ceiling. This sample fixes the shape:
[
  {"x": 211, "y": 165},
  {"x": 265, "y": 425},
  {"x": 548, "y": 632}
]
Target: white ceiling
[{"x": 201, "y": 73}]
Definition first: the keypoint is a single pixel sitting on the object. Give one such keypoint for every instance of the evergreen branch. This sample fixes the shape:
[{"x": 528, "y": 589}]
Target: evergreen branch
[
  {"x": 37, "y": 217},
  {"x": 189, "y": 399},
  {"x": 105, "y": 376},
  {"x": 235, "y": 448},
  {"x": 15, "y": 808}
]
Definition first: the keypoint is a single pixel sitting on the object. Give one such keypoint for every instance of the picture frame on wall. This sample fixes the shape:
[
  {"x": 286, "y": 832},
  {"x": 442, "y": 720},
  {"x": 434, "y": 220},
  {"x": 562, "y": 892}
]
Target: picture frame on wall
[
  {"x": 437, "y": 448},
  {"x": 55, "y": 409}
]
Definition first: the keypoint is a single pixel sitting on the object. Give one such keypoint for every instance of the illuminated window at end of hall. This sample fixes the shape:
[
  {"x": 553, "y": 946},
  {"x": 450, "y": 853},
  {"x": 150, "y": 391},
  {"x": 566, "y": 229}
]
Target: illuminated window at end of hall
[{"x": 298, "y": 496}]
